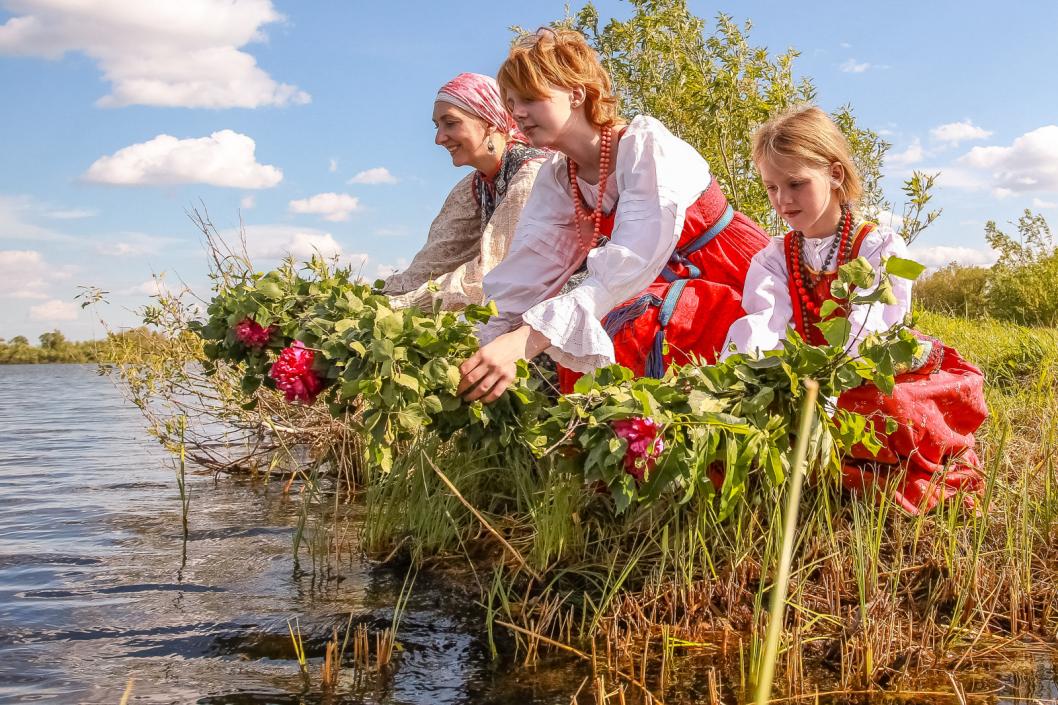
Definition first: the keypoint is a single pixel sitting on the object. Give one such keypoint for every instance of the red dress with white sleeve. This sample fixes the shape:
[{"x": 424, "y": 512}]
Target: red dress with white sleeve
[
  {"x": 685, "y": 313},
  {"x": 937, "y": 406}
]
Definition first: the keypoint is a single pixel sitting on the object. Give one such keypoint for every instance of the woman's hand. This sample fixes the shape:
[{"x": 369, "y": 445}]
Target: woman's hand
[{"x": 488, "y": 372}]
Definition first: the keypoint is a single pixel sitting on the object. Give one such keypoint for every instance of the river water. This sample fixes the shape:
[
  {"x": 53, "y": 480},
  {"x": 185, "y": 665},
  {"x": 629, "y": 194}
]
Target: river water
[{"x": 97, "y": 585}]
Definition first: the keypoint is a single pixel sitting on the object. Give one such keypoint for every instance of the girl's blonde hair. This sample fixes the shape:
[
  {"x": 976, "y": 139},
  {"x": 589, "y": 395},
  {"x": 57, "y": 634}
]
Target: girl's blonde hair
[
  {"x": 559, "y": 57},
  {"x": 807, "y": 134}
]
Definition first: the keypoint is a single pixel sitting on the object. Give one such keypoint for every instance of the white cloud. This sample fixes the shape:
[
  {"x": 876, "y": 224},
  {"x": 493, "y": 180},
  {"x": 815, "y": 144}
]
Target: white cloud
[
  {"x": 136, "y": 245},
  {"x": 119, "y": 249},
  {"x": 912, "y": 155},
  {"x": 333, "y": 166},
  {"x": 71, "y": 213},
  {"x": 378, "y": 175},
  {"x": 958, "y": 177},
  {"x": 941, "y": 255},
  {"x": 247, "y": 202},
  {"x": 1030, "y": 163},
  {"x": 356, "y": 261},
  {"x": 1040, "y": 203},
  {"x": 155, "y": 286},
  {"x": 15, "y": 212},
  {"x": 953, "y": 133},
  {"x": 54, "y": 310},
  {"x": 887, "y": 219},
  {"x": 853, "y": 66},
  {"x": 384, "y": 270},
  {"x": 25, "y": 274},
  {"x": 332, "y": 206},
  {"x": 225, "y": 158},
  {"x": 157, "y": 52},
  {"x": 845, "y": 45},
  {"x": 279, "y": 241}
]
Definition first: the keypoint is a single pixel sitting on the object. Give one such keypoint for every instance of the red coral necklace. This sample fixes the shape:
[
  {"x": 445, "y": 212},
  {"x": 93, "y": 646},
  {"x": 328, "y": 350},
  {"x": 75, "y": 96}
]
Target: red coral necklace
[
  {"x": 800, "y": 269},
  {"x": 582, "y": 215}
]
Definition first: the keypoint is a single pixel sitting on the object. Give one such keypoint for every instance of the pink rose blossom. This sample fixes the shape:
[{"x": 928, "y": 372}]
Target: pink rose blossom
[
  {"x": 293, "y": 374},
  {"x": 252, "y": 334},
  {"x": 644, "y": 444}
]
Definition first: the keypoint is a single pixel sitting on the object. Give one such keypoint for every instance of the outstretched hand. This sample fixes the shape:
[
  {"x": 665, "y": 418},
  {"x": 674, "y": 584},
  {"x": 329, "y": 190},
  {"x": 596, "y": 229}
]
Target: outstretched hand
[{"x": 487, "y": 373}]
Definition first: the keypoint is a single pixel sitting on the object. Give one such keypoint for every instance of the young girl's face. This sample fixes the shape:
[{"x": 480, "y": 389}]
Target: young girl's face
[
  {"x": 804, "y": 194},
  {"x": 545, "y": 120}
]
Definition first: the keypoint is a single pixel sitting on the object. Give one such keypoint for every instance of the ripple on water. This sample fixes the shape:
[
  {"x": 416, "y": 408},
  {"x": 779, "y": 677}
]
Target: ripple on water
[{"x": 97, "y": 582}]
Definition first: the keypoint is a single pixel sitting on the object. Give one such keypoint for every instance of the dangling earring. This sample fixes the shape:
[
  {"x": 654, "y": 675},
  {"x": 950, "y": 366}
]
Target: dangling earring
[{"x": 490, "y": 146}]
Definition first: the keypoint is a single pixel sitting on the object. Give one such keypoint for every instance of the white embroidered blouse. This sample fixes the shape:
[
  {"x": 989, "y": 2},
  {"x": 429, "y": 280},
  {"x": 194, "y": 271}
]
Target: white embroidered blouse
[
  {"x": 769, "y": 308},
  {"x": 656, "y": 178},
  {"x": 457, "y": 253}
]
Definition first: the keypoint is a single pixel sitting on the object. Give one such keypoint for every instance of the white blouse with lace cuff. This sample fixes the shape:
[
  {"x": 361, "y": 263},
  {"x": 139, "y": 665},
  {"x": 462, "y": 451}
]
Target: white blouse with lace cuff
[
  {"x": 656, "y": 178},
  {"x": 769, "y": 308}
]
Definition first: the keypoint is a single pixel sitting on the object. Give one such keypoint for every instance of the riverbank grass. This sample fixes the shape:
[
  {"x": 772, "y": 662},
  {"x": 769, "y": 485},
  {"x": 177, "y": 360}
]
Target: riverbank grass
[{"x": 878, "y": 600}]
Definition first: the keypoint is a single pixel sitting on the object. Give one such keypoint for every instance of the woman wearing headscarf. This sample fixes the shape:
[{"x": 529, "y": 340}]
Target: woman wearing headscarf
[{"x": 473, "y": 231}]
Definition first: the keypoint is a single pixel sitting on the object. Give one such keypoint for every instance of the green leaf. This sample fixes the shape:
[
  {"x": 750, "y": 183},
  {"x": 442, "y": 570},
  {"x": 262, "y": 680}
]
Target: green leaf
[
  {"x": 435, "y": 372},
  {"x": 388, "y": 324},
  {"x": 432, "y": 404},
  {"x": 836, "y": 331},
  {"x": 858, "y": 272},
  {"x": 250, "y": 383},
  {"x": 839, "y": 289},
  {"x": 270, "y": 289},
  {"x": 412, "y": 418},
  {"x": 904, "y": 268},
  {"x": 407, "y": 381},
  {"x": 702, "y": 402},
  {"x": 828, "y": 307}
]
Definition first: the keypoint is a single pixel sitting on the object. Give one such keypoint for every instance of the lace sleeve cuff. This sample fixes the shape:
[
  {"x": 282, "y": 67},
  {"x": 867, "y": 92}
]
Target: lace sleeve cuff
[{"x": 578, "y": 340}]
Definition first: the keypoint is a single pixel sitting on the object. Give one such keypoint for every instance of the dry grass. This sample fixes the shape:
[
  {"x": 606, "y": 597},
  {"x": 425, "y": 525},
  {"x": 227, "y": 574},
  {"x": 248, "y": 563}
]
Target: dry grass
[{"x": 667, "y": 599}]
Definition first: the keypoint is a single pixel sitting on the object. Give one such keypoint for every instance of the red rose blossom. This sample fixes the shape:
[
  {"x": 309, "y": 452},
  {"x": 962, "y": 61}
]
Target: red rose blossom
[
  {"x": 644, "y": 444},
  {"x": 293, "y": 374},
  {"x": 252, "y": 334}
]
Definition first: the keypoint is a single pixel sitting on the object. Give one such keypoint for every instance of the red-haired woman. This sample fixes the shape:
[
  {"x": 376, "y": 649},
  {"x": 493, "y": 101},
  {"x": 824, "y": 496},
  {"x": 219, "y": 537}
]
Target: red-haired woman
[{"x": 626, "y": 251}]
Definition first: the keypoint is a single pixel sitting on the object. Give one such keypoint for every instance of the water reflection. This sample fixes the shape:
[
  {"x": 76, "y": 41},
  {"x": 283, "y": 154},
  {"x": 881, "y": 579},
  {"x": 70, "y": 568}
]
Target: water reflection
[
  {"x": 97, "y": 584},
  {"x": 93, "y": 589}
]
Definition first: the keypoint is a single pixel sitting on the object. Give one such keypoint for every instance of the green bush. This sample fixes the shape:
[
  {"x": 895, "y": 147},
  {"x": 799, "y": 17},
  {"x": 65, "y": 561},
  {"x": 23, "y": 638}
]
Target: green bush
[
  {"x": 954, "y": 290},
  {"x": 1022, "y": 284},
  {"x": 1028, "y": 294}
]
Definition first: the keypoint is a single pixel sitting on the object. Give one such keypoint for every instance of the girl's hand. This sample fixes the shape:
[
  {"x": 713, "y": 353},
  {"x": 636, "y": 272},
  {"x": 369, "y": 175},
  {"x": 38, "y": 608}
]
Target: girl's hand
[{"x": 488, "y": 372}]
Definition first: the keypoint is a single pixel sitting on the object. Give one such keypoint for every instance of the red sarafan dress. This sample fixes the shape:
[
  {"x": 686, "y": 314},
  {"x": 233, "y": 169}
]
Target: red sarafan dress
[
  {"x": 686, "y": 312},
  {"x": 937, "y": 407}
]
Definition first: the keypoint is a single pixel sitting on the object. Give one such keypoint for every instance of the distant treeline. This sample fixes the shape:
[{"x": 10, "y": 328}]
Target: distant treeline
[
  {"x": 1019, "y": 287},
  {"x": 54, "y": 347}
]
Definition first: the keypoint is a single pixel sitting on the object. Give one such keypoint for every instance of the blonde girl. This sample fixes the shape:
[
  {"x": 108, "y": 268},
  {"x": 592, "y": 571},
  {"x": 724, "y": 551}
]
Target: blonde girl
[{"x": 812, "y": 183}]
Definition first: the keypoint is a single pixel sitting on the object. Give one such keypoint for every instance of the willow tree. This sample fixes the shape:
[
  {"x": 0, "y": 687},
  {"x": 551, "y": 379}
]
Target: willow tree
[{"x": 712, "y": 87}]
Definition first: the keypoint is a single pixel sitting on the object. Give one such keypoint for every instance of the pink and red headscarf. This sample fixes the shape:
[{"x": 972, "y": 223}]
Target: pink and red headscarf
[{"x": 479, "y": 95}]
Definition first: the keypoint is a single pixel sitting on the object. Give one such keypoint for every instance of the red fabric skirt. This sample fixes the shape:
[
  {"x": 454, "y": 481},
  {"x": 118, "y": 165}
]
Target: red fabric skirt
[
  {"x": 930, "y": 456},
  {"x": 707, "y": 301}
]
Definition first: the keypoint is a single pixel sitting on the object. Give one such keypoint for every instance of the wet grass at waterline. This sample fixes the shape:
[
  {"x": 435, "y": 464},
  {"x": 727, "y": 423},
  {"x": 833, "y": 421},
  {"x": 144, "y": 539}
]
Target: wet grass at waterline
[{"x": 671, "y": 600}]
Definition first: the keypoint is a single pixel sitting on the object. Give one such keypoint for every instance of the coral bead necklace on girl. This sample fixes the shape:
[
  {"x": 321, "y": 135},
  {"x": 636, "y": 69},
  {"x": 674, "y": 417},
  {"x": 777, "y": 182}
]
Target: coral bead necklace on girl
[
  {"x": 605, "y": 141},
  {"x": 842, "y": 244}
]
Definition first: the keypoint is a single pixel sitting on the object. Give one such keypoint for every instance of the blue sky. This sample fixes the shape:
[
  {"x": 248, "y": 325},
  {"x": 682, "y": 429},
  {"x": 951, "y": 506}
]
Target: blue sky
[{"x": 313, "y": 120}]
